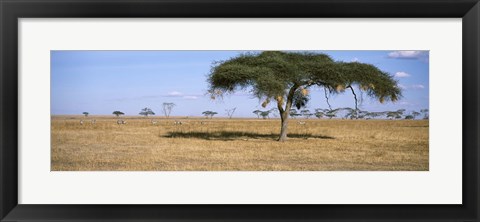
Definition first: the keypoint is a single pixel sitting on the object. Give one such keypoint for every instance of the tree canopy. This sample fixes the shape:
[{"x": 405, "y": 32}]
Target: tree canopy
[
  {"x": 146, "y": 111},
  {"x": 118, "y": 113},
  {"x": 285, "y": 77},
  {"x": 271, "y": 74}
]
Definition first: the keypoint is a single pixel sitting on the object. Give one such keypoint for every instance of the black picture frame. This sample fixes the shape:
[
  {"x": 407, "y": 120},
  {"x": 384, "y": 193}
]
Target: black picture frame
[{"x": 12, "y": 10}]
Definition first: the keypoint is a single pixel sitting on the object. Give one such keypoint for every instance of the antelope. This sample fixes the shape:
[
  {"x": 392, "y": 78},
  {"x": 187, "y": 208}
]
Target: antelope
[
  {"x": 94, "y": 121},
  {"x": 81, "y": 122},
  {"x": 302, "y": 122},
  {"x": 121, "y": 121},
  {"x": 154, "y": 122},
  {"x": 177, "y": 122}
]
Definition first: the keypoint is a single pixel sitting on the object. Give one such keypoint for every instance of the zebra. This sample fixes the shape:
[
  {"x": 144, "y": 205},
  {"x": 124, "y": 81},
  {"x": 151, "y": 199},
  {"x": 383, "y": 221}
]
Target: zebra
[
  {"x": 81, "y": 122},
  {"x": 121, "y": 121},
  {"x": 94, "y": 121},
  {"x": 177, "y": 122},
  {"x": 154, "y": 122}
]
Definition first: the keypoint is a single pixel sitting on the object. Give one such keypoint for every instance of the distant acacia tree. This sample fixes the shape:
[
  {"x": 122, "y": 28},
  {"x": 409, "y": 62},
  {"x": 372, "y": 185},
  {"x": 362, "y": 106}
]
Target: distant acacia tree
[
  {"x": 257, "y": 112},
  {"x": 167, "y": 109},
  {"x": 425, "y": 113},
  {"x": 409, "y": 117},
  {"x": 293, "y": 113},
  {"x": 331, "y": 113},
  {"x": 306, "y": 113},
  {"x": 118, "y": 113},
  {"x": 230, "y": 112},
  {"x": 206, "y": 113},
  {"x": 374, "y": 115},
  {"x": 319, "y": 113},
  {"x": 286, "y": 77},
  {"x": 209, "y": 113},
  {"x": 265, "y": 114},
  {"x": 395, "y": 114},
  {"x": 355, "y": 113},
  {"x": 415, "y": 114},
  {"x": 86, "y": 114},
  {"x": 351, "y": 113},
  {"x": 146, "y": 111}
]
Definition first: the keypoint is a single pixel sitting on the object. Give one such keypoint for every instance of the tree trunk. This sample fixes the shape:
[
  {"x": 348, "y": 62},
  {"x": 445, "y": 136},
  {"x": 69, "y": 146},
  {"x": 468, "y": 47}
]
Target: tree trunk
[
  {"x": 284, "y": 113},
  {"x": 284, "y": 130}
]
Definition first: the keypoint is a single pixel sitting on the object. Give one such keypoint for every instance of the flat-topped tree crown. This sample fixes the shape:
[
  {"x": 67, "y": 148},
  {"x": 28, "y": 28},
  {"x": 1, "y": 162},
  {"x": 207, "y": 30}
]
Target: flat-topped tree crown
[{"x": 285, "y": 77}]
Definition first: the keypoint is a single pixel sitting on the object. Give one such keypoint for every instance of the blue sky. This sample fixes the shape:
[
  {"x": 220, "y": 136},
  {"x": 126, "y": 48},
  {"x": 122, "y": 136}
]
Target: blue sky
[{"x": 100, "y": 82}]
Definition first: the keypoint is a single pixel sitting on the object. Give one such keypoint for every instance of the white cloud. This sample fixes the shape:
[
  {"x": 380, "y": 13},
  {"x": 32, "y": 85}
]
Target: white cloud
[
  {"x": 401, "y": 74},
  {"x": 418, "y": 86},
  {"x": 182, "y": 95},
  {"x": 190, "y": 97},
  {"x": 175, "y": 94},
  {"x": 415, "y": 86},
  {"x": 416, "y": 55},
  {"x": 355, "y": 59}
]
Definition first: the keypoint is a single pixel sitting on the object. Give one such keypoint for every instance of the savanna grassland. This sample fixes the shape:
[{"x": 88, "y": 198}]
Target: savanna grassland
[{"x": 237, "y": 145}]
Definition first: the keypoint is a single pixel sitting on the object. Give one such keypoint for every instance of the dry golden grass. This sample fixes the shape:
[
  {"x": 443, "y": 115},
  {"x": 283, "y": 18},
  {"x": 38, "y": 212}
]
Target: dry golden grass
[{"x": 238, "y": 144}]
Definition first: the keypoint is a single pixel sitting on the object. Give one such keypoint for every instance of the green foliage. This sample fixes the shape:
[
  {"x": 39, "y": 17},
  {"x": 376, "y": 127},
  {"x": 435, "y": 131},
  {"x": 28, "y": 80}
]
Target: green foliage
[
  {"x": 265, "y": 114},
  {"x": 425, "y": 113},
  {"x": 86, "y": 114},
  {"x": 286, "y": 77},
  {"x": 293, "y": 113},
  {"x": 118, "y": 113},
  {"x": 331, "y": 113},
  {"x": 257, "y": 112},
  {"x": 209, "y": 113},
  {"x": 146, "y": 111},
  {"x": 319, "y": 113},
  {"x": 415, "y": 114},
  {"x": 271, "y": 74}
]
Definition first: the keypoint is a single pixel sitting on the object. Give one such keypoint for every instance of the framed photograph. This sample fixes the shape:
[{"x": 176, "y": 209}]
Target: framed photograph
[{"x": 239, "y": 110}]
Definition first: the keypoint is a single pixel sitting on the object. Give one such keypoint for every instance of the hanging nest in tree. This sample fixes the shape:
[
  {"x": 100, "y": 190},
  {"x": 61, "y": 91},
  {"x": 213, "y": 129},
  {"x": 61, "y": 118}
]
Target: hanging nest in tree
[
  {"x": 265, "y": 103},
  {"x": 340, "y": 88},
  {"x": 280, "y": 99},
  {"x": 304, "y": 92}
]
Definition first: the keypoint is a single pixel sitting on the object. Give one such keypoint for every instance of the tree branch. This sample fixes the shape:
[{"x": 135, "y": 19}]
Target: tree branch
[
  {"x": 354, "y": 96},
  {"x": 279, "y": 107},
  {"x": 290, "y": 95},
  {"x": 326, "y": 97}
]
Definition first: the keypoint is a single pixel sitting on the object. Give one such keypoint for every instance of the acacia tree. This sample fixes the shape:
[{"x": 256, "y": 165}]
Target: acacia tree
[
  {"x": 331, "y": 113},
  {"x": 293, "y": 113},
  {"x": 146, "y": 111},
  {"x": 306, "y": 113},
  {"x": 209, "y": 113},
  {"x": 425, "y": 113},
  {"x": 265, "y": 114},
  {"x": 415, "y": 114},
  {"x": 319, "y": 113},
  {"x": 257, "y": 112},
  {"x": 118, "y": 113},
  {"x": 230, "y": 112},
  {"x": 86, "y": 114},
  {"x": 167, "y": 109},
  {"x": 285, "y": 77}
]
